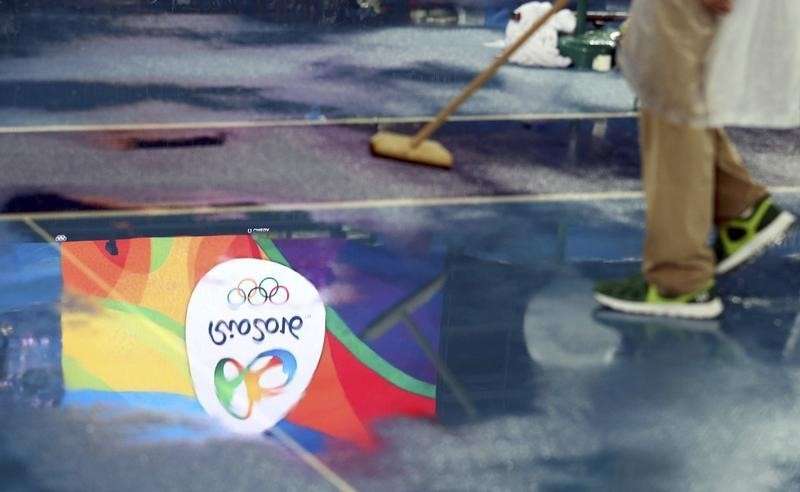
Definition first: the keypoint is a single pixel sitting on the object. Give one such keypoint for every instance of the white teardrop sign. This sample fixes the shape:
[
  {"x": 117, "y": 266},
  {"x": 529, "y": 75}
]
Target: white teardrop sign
[{"x": 254, "y": 336}]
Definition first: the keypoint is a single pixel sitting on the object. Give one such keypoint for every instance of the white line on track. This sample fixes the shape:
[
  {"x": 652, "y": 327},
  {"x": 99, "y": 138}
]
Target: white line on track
[
  {"x": 333, "y": 205},
  {"x": 288, "y": 123},
  {"x": 338, "y": 482},
  {"x": 351, "y": 205}
]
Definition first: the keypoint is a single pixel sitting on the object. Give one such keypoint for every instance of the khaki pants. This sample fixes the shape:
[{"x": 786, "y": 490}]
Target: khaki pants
[{"x": 692, "y": 177}]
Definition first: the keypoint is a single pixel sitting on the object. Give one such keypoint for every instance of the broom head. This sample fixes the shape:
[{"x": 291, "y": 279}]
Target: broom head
[{"x": 398, "y": 146}]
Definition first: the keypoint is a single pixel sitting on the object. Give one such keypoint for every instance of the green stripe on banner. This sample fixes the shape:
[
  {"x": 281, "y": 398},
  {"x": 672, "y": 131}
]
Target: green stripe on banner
[
  {"x": 159, "y": 251},
  {"x": 371, "y": 359},
  {"x": 339, "y": 328},
  {"x": 156, "y": 317},
  {"x": 269, "y": 248},
  {"x": 76, "y": 377}
]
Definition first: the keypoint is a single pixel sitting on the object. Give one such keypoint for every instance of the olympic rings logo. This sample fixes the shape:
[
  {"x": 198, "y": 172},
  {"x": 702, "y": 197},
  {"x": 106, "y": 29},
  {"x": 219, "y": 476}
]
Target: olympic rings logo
[{"x": 269, "y": 290}]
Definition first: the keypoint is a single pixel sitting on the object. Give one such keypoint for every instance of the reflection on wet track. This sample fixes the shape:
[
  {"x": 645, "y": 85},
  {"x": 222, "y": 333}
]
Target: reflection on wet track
[{"x": 484, "y": 309}]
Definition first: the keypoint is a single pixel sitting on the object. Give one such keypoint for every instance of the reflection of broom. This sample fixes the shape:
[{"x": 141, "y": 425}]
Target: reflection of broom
[{"x": 417, "y": 148}]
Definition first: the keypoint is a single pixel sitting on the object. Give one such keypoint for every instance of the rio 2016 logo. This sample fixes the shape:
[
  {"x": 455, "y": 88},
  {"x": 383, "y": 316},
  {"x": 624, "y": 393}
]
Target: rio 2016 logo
[
  {"x": 254, "y": 336},
  {"x": 245, "y": 386}
]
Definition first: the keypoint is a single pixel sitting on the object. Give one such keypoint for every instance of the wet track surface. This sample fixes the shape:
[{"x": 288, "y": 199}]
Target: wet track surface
[
  {"x": 332, "y": 163},
  {"x": 534, "y": 383}
]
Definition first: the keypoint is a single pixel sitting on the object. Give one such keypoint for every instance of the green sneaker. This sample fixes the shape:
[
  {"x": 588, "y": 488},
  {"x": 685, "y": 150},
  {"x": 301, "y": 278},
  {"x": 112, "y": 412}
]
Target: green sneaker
[
  {"x": 741, "y": 239},
  {"x": 634, "y": 296}
]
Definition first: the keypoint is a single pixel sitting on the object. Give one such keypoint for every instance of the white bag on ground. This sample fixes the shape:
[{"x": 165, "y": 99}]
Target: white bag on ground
[
  {"x": 753, "y": 76},
  {"x": 541, "y": 49}
]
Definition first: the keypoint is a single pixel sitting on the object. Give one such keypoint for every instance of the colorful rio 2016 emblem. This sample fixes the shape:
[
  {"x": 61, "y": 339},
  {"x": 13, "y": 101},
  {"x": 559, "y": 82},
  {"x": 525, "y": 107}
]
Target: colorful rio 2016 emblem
[
  {"x": 254, "y": 336},
  {"x": 243, "y": 387}
]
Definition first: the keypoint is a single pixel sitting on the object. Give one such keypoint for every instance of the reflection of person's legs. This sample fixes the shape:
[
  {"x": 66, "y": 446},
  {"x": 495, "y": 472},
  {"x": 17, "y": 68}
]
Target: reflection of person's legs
[
  {"x": 678, "y": 177},
  {"x": 735, "y": 191}
]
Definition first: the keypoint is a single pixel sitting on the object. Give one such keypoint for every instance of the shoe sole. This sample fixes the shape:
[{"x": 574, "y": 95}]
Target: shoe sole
[
  {"x": 705, "y": 310},
  {"x": 608, "y": 317},
  {"x": 770, "y": 235}
]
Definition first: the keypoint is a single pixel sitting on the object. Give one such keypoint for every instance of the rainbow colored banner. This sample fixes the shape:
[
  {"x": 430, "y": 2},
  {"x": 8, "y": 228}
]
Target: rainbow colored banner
[{"x": 123, "y": 320}]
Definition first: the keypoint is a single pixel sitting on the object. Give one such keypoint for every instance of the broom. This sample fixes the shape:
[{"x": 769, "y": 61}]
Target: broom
[{"x": 417, "y": 148}]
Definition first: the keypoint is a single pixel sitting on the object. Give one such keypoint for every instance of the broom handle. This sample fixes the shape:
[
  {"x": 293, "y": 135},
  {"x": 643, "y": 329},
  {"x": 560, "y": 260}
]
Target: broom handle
[{"x": 478, "y": 82}]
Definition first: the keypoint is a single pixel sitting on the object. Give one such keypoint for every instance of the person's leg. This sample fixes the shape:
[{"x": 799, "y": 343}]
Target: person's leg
[
  {"x": 678, "y": 179},
  {"x": 747, "y": 220},
  {"x": 735, "y": 190},
  {"x": 664, "y": 53},
  {"x": 678, "y": 265}
]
